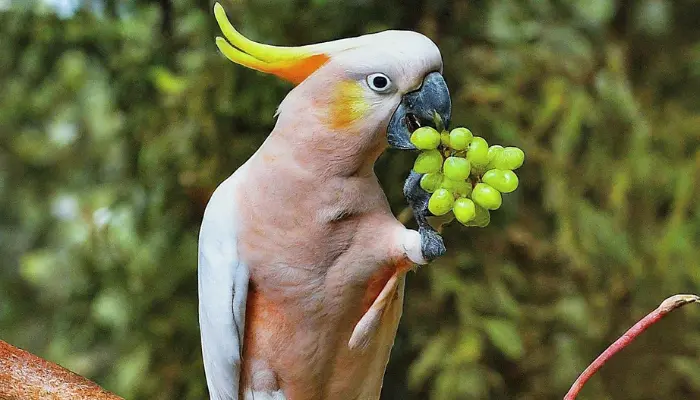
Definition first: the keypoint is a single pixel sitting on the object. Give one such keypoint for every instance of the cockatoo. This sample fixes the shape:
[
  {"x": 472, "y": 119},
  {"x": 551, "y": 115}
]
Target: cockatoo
[{"x": 301, "y": 262}]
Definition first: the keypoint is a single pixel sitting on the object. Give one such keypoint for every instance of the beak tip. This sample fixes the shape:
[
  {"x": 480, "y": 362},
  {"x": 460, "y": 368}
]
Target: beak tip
[{"x": 430, "y": 104}]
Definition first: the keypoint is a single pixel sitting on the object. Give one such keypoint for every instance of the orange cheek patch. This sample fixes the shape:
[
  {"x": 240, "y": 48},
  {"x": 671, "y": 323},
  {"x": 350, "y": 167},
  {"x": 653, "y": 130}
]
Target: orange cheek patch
[{"x": 348, "y": 104}]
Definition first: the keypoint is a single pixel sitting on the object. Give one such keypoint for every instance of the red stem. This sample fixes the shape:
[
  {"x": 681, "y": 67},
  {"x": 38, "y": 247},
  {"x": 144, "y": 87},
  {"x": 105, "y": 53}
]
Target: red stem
[{"x": 653, "y": 317}]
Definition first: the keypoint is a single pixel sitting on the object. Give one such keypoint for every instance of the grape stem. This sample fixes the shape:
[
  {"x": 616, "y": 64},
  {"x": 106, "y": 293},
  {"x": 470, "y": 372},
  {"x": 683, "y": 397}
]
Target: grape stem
[
  {"x": 650, "y": 319},
  {"x": 439, "y": 123}
]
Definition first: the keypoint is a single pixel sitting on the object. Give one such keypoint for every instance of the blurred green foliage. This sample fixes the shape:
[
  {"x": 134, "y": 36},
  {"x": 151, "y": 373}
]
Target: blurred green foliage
[{"x": 117, "y": 120}]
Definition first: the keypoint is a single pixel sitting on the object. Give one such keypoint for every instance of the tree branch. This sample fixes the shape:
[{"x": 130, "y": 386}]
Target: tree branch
[
  {"x": 167, "y": 9},
  {"x": 24, "y": 376},
  {"x": 653, "y": 317}
]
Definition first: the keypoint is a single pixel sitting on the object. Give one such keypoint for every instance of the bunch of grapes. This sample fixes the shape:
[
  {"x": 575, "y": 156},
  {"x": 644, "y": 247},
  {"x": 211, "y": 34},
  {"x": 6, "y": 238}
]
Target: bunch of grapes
[{"x": 464, "y": 174}]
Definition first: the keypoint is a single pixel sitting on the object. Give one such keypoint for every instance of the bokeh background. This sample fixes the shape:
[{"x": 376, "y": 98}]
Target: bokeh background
[{"x": 119, "y": 117}]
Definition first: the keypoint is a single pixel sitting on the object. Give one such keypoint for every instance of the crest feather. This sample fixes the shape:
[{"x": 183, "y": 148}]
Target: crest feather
[{"x": 293, "y": 64}]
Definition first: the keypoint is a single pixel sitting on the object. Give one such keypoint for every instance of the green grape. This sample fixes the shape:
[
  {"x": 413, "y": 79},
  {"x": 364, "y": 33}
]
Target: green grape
[
  {"x": 494, "y": 151},
  {"x": 486, "y": 196},
  {"x": 460, "y": 188},
  {"x": 456, "y": 168},
  {"x": 440, "y": 202},
  {"x": 478, "y": 152},
  {"x": 482, "y": 217},
  {"x": 425, "y": 138},
  {"x": 515, "y": 156},
  {"x": 511, "y": 158},
  {"x": 431, "y": 182},
  {"x": 445, "y": 139},
  {"x": 460, "y": 138},
  {"x": 464, "y": 210},
  {"x": 505, "y": 181},
  {"x": 447, "y": 161},
  {"x": 428, "y": 161}
]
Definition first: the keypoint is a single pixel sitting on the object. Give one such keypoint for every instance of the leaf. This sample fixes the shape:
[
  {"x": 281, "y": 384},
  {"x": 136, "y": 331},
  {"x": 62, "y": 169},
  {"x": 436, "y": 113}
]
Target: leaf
[
  {"x": 688, "y": 367},
  {"x": 594, "y": 12},
  {"x": 131, "y": 371},
  {"x": 468, "y": 348},
  {"x": 504, "y": 335},
  {"x": 111, "y": 308},
  {"x": 429, "y": 360}
]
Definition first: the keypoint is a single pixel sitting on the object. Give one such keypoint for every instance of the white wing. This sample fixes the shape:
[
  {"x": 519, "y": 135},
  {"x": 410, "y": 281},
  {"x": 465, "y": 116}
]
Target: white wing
[{"x": 223, "y": 289}]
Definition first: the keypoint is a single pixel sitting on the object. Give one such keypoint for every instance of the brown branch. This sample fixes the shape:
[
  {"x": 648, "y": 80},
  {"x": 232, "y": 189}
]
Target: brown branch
[
  {"x": 24, "y": 376},
  {"x": 166, "y": 7},
  {"x": 653, "y": 317}
]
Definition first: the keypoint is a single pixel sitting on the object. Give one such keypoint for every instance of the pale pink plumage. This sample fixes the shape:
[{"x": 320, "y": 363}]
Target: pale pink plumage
[{"x": 314, "y": 231}]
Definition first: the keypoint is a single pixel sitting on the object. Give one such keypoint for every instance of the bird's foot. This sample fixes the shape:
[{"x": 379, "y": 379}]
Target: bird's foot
[{"x": 432, "y": 245}]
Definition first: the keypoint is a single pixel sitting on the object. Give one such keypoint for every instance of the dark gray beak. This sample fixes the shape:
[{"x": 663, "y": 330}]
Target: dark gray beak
[{"x": 429, "y": 105}]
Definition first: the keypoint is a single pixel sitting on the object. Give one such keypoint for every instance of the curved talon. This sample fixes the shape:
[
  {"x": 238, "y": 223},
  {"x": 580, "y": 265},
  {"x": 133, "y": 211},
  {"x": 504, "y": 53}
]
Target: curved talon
[{"x": 432, "y": 244}]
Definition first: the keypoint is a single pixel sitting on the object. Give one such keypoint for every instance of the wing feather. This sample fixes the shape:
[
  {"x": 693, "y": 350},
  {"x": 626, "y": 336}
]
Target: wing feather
[{"x": 223, "y": 290}]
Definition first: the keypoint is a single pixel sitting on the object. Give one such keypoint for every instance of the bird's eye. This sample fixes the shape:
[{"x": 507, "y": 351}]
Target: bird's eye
[{"x": 379, "y": 82}]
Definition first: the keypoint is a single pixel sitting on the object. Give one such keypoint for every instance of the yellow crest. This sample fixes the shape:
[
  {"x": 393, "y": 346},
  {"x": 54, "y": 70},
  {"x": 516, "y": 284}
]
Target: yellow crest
[{"x": 293, "y": 64}]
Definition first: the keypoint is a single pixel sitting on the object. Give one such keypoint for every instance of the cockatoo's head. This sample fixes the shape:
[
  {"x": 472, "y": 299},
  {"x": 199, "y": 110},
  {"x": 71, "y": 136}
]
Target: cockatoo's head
[{"x": 384, "y": 82}]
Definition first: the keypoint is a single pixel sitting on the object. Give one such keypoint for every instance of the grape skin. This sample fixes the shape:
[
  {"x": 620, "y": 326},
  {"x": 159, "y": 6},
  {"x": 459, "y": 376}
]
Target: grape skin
[
  {"x": 441, "y": 202},
  {"x": 478, "y": 152},
  {"x": 511, "y": 158},
  {"x": 495, "y": 151},
  {"x": 459, "y": 188},
  {"x": 425, "y": 138},
  {"x": 505, "y": 181},
  {"x": 428, "y": 161},
  {"x": 486, "y": 196},
  {"x": 464, "y": 210},
  {"x": 464, "y": 174},
  {"x": 460, "y": 138},
  {"x": 431, "y": 182},
  {"x": 456, "y": 168},
  {"x": 445, "y": 139}
]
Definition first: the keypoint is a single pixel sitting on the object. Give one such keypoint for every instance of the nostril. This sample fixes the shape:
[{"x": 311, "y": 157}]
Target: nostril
[{"x": 412, "y": 122}]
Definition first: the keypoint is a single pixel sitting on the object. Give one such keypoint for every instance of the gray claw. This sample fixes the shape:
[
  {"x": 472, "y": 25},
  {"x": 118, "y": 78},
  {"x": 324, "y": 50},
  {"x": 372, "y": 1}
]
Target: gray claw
[
  {"x": 412, "y": 190},
  {"x": 432, "y": 245}
]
